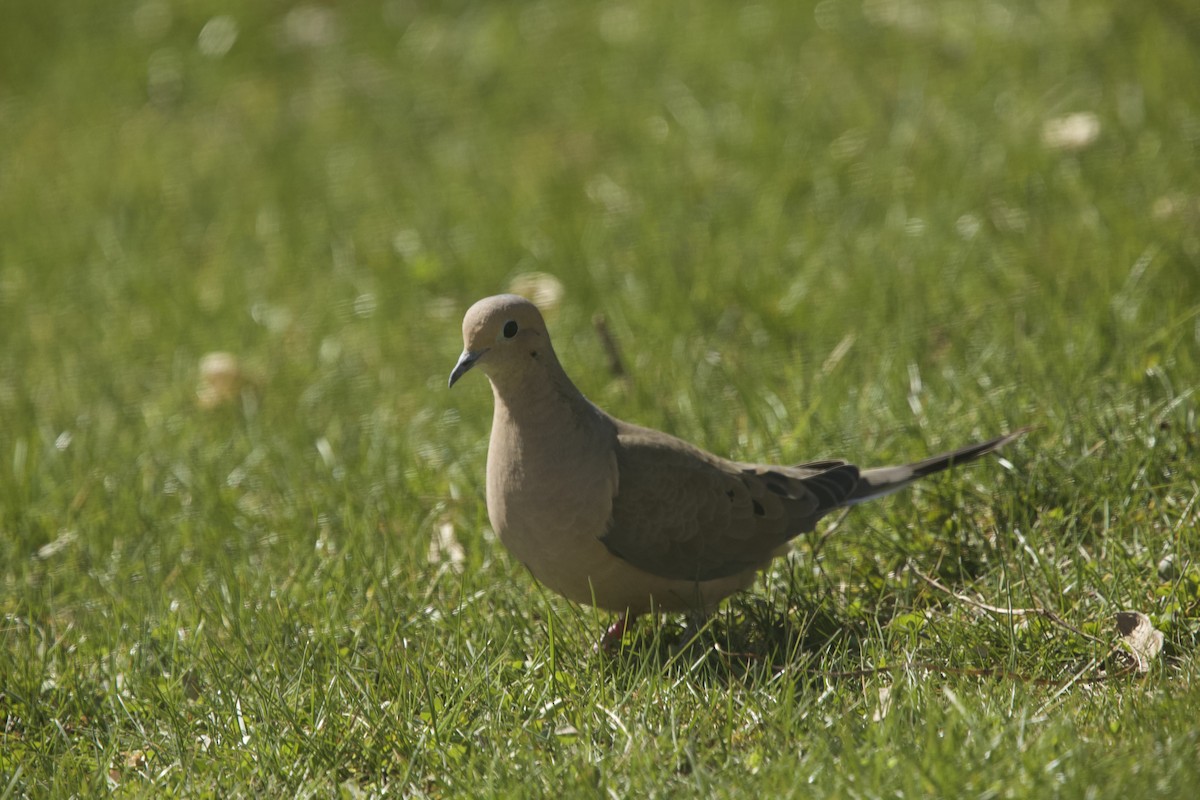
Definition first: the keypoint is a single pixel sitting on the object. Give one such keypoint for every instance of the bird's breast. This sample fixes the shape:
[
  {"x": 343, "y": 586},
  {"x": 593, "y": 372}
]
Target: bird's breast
[
  {"x": 556, "y": 493},
  {"x": 550, "y": 489}
]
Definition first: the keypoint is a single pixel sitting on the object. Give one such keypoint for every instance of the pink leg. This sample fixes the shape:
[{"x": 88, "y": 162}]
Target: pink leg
[{"x": 611, "y": 640}]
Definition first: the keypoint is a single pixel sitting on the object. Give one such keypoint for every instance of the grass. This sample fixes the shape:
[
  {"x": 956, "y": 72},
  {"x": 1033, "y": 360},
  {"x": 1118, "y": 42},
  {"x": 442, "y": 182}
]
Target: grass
[{"x": 815, "y": 230}]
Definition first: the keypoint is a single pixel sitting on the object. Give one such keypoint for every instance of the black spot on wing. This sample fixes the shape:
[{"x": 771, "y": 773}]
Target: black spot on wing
[{"x": 758, "y": 509}]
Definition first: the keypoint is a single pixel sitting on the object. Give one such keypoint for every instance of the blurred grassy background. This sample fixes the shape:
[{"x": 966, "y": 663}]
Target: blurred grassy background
[{"x": 836, "y": 229}]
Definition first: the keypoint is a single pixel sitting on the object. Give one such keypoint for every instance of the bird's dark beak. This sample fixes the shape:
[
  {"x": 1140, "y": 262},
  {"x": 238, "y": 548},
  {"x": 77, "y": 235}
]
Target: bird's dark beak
[{"x": 465, "y": 362}]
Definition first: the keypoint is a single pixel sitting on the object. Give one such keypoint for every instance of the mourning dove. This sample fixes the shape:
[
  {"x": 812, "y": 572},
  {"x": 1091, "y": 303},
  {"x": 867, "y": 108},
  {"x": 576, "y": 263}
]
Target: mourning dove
[{"x": 630, "y": 519}]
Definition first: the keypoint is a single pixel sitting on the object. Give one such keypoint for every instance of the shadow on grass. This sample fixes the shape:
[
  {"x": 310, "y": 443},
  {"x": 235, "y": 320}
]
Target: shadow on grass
[{"x": 751, "y": 641}]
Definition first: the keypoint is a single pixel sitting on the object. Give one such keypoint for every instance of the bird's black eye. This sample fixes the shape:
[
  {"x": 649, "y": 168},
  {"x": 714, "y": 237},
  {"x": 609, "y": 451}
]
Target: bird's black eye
[{"x": 510, "y": 329}]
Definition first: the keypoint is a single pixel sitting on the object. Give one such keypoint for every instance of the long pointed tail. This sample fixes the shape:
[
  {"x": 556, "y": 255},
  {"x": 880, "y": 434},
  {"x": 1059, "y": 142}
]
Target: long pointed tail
[{"x": 882, "y": 481}]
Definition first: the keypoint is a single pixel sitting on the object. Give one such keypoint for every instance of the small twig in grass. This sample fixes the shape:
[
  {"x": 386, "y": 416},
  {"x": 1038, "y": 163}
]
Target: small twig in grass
[
  {"x": 615, "y": 365},
  {"x": 1078, "y": 677},
  {"x": 1012, "y": 612}
]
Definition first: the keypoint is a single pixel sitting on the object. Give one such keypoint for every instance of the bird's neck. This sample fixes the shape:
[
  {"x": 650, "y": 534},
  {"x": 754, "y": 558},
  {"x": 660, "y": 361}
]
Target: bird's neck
[
  {"x": 537, "y": 389},
  {"x": 543, "y": 409}
]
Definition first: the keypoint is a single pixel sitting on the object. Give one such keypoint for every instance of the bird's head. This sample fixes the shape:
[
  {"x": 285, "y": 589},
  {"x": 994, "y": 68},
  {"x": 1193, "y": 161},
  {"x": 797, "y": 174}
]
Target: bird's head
[{"x": 502, "y": 335}]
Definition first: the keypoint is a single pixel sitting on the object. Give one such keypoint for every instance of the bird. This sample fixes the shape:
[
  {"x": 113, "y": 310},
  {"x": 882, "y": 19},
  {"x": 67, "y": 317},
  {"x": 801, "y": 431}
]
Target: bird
[{"x": 626, "y": 518}]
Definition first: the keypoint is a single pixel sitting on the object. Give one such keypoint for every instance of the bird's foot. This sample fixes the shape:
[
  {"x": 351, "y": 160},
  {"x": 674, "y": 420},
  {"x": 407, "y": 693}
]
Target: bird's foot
[{"x": 610, "y": 642}]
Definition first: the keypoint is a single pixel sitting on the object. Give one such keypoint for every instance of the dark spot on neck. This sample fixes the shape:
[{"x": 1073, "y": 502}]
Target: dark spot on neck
[{"x": 533, "y": 353}]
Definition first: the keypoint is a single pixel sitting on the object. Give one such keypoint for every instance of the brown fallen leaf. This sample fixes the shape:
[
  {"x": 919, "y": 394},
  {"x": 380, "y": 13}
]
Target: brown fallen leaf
[{"x": 1141, "y": 638}]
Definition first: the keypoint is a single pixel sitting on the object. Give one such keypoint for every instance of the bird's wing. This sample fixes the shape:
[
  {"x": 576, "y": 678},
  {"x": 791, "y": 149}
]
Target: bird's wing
[{"x": 685, "y": 514}]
